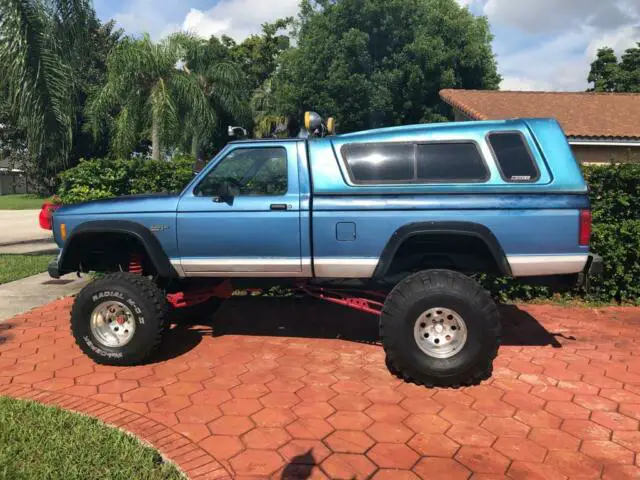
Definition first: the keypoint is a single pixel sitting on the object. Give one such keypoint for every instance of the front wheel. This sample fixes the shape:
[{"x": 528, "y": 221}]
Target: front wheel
[
  {"x": 440, "y": 328},
  {"x": 119, "y": 319}
]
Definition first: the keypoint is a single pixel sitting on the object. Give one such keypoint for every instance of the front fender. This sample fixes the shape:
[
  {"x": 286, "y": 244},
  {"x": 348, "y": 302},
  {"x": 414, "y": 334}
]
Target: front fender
[{"x": 137, "y": 231}]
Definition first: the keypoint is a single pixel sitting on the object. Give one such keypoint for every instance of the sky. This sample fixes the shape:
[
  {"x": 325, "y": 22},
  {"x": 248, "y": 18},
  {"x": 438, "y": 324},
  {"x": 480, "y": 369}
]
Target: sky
[{"x": 540, "y": 44}]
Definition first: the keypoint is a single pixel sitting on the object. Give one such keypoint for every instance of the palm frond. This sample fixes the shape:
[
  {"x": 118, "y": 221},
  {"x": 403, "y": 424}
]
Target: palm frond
[
  {"x": 125, "y": 126},
  {"x": 188, "y": 92},
  {"x": 164, "y": 112},
  {"x": 36, "y": 74}
]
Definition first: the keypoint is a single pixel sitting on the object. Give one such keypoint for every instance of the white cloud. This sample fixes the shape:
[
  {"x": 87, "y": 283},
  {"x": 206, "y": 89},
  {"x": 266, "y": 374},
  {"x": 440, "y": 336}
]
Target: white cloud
[
  {"x": 542, "y": 16},
  {"x": 145, "y": 16},
  {"x": 237, "y": 18},
  {"x": 561, "y": 39},
  {"x": 619, "y": 40},
  {"x": 510, "y": 82},
  {"x": 197, "y": 22},
  {"x": 562, "y": 63}
]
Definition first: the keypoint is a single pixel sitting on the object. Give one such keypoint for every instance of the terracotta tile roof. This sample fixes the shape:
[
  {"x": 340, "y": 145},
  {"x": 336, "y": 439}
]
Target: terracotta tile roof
[{"x": 581, "y": 114}]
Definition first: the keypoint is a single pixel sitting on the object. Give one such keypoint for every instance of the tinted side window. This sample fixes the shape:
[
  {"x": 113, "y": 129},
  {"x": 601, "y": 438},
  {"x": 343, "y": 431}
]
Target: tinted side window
[
  {"x": 252, "y": 171},
  {"x": 437, "y": 162},
  {"x": 380, "y": 163},
  {"x": 514, "y": 158}
]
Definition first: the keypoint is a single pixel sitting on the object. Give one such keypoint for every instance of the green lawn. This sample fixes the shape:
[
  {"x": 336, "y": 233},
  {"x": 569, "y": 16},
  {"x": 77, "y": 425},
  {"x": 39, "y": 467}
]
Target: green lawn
[
  {"x": 38, "y": 442},
  {"x": 26, "y": 201},
  {"x": 15, "y": 267}
]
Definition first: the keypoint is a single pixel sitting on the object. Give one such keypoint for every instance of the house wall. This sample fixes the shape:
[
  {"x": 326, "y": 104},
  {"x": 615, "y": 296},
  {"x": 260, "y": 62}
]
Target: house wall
[
  {"x": 460, "y": 116},
  {"x": 11, "y": 183},
  {"x": 606, "y": 154}
]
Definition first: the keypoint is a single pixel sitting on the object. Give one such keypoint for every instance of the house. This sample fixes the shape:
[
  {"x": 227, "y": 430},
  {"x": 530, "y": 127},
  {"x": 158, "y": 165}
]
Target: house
[
  {"x": 12, "y": 179},
  {"x": 600, "y": 127}
]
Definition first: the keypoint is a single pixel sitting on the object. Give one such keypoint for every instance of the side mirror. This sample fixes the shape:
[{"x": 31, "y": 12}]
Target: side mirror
[
  {"x": 227, "y": 193},
  {"x": 237, "y": 131}
]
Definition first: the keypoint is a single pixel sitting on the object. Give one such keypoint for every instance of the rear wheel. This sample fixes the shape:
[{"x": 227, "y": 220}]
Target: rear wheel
[
  {"x": 119, "y": 319},
  {"x": 440, "y": 328}
]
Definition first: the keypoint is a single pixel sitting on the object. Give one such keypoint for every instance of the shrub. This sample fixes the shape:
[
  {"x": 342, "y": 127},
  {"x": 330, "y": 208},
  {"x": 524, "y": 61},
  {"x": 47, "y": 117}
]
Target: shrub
[
  {"x": 101, "y": 178},
  {"x": 614, "y": 191}
]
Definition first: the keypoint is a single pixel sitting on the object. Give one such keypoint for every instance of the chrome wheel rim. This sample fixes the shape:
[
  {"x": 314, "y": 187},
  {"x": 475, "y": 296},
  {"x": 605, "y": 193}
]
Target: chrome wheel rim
[
  {"x": 113, "y": 324},
  {"x": 440, "y": 332}
]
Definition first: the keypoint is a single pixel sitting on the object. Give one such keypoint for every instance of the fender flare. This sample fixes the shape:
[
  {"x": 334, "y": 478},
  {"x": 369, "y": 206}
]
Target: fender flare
[
  {"x": 139, "y": 232},
  {"x": 469, "y": 229}
]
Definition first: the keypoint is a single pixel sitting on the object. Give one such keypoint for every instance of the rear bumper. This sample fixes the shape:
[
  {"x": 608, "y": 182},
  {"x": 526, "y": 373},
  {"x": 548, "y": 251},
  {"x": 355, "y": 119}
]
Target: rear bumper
[{"x": 593, "y": 267}]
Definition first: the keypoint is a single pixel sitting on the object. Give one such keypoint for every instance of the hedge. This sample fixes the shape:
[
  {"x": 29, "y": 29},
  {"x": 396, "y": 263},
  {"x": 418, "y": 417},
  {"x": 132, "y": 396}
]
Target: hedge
[
  {"x": 101, "y": 178},
  {"x": 614, "y": 192}
]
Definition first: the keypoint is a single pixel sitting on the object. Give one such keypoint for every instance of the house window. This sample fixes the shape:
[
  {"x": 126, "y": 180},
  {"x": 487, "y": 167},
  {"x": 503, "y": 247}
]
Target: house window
[{"x": 515, "y": 161}]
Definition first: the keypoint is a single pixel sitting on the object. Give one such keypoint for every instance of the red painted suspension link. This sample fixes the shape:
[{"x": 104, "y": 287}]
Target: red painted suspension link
[
  {"x": 344, "y": 297},
  {"x": 200, "y": 294}
]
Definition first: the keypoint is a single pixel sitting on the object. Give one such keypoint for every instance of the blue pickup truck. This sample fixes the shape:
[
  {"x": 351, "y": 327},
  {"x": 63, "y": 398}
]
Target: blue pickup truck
[{"x": 394, "y": 221}]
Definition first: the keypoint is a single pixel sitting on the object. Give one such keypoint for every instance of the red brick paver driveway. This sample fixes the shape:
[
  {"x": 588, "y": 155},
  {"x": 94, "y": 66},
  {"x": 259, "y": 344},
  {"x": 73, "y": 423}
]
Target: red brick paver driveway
[{"x": 288, "y": 389}]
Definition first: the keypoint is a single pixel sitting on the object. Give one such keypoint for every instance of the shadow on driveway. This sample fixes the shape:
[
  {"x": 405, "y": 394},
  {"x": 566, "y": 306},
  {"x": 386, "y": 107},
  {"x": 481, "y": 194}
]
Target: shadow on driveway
[{"x": 311, "y": 318}]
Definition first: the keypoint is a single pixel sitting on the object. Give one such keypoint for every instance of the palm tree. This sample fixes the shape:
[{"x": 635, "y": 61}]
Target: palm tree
[
  {"x": 267, "y": 119},
  {"x": 40, "y": 42},
  {"x": 148, "y": 93},
  {"x": 153, "y": 87},
  {"x": 221, "y": 81}
]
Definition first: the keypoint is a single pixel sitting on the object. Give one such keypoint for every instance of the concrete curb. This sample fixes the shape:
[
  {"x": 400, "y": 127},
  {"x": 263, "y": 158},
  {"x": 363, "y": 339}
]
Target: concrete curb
[{"x": 27, "y": 242}]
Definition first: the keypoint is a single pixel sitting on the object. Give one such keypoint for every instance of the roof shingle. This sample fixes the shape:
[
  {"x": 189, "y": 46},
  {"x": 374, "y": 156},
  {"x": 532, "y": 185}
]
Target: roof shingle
[{"x": 581, "y": 114}]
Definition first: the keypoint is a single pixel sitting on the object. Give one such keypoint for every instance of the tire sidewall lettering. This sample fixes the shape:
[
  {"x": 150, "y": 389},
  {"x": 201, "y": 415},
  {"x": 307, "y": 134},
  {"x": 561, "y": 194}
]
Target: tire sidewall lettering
[{"x": 110, "y": 295}]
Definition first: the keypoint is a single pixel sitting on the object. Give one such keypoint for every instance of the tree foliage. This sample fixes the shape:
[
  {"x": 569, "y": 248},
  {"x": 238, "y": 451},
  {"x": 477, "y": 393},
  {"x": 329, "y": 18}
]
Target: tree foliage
[
  {"x": 13, "y": 145},
  {"x": 40, "y": 45},
  {"x": 170, "y": 92},
  {"x": 259, "y": 55},
  {"x": 382, "y": 62},
  {"x": 223, "y": 83},
  {"x": 607, "y": 74},
  {"x": 91, "y": 75}
]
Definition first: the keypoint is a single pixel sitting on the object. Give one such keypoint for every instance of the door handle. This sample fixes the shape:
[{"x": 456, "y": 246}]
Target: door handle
[{"x": 279, "y": 206}]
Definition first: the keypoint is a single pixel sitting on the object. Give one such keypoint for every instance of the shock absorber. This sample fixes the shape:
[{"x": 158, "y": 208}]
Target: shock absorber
[{"x": 135, "y": 264}]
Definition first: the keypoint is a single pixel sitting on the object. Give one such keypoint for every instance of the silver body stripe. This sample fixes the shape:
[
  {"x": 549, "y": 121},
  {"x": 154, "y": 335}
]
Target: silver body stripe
[
  {"x": 537, "y": 265},
  {"x": 177, "y": 265},
  {"x": 243, "y": 267},
  {"x": 521, "y": 266},
  {"x": 344, "y": 267},
  {"x": 275, "y": 267}
]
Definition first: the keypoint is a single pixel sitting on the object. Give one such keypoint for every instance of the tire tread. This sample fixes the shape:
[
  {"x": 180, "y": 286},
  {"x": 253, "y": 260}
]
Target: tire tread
[
  {"x": 145, "y": 288},
  {"x": 444, "y": 279}
]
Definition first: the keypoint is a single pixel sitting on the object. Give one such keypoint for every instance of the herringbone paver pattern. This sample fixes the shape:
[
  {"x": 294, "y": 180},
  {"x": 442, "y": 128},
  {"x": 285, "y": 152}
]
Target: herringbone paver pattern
[{"x": 288, "y": 389}]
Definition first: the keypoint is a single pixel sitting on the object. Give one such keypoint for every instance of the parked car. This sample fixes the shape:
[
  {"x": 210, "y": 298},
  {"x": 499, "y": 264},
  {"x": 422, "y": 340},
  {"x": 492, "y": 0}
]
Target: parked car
[{"x": 394, "y": 221}]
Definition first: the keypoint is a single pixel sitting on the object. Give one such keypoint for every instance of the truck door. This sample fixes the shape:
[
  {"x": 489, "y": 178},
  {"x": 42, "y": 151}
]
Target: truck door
[{"x": 241, "y": 218}]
